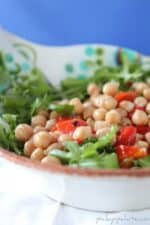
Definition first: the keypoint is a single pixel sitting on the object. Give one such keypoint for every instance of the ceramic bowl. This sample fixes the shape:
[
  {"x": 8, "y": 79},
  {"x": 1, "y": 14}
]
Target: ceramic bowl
[{"x": 101, "y": 190}]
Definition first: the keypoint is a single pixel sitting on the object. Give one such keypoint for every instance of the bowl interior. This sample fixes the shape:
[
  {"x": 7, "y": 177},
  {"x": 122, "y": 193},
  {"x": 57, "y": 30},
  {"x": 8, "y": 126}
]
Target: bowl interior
[{"x": 61, "y": 62}]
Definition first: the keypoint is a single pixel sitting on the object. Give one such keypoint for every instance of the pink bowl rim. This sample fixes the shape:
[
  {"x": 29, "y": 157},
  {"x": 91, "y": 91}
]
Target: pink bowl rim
[{"x": 65, "y": 170}]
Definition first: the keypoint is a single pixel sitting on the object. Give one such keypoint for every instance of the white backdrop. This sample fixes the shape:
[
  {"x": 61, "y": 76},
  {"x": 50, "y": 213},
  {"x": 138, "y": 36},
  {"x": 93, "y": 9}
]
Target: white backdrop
[{"x": 36, "y": 209}]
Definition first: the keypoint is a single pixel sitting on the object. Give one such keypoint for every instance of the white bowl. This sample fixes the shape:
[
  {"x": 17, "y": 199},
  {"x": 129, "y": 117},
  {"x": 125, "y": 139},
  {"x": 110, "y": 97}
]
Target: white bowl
[{"x": 101, "y": 190}]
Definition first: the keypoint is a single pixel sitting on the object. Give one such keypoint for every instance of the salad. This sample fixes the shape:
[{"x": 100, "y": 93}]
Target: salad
[{"x": 102, "y": 121}]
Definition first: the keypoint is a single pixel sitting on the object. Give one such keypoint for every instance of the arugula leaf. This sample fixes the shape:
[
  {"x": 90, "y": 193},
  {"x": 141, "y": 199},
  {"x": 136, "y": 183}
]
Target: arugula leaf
[
  {"x": 89, "y": 150},
  {"x": 10, "y": 119},
  {"x": 92, "y": 149},
  {"x": 5, "y": 81},
  {"x": 63, "y": 109},
  {"x": 87, "y": 155},
  {"x": 40, "y": 103},
  {"x": 7, "y": 135},
  {"x": 107, "y": 139},
  {"x": 103, "y": 161},
  {"x": 64, "y": 157},
  {"x": 143, "y": 162},
  {"x": 71, "y": 156},
  {"x": 109, "y": 161},
  {"x": 93, "y": 163},
  {"x": 3, "y": 139},
  {"x": 109, "y": 148},
  {"x": 74, "y": 149}
]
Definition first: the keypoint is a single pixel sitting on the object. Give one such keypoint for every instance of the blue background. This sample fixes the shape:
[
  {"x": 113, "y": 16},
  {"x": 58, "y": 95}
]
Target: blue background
[{"x": 60, "y": 22}]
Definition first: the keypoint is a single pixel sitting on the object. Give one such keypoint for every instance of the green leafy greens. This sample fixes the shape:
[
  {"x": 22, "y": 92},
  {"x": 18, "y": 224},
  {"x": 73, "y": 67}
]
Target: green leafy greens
[
  {"x": 143, "y": 162},
  {"x": 22, "y": 96},
  {"x": 7, "y": 137},
  {"x": 62, "y": 109},
  {"x": 89, "y": 155}
]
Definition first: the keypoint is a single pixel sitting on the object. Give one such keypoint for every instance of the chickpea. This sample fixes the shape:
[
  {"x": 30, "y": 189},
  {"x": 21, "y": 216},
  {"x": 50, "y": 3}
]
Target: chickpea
[
  {"x": 44, "y": 113},
  {"x": 148, "y": 108},
  {"x": 140, "y": 87},
  {"x": 113, "y": 117},
  {"x": 127, "y": 105},
  {"x": 122, "y": 112},
  {"x": 29, "y": 147},
  {"x": 88, "y": 112},
  {"x": 78, "y": 107},
  {"x": 82, "y": 133},
  {"x": 100, "y": 124},
  {"x": 93, "y": 89},
  {"x": 142, "y": 144},
  {"x": 111, "y": 88},
  {"x": 42, "y": 139},
  {"x": 53, "y": 115},
  {"x": 50, "y": 160},
  {"x": 146, "y": 93},
  {"x": 37, "y": 154},
  {"x": 38, "y": 128},
  {"x": 50, "y": 124},
  {"x": 105, "y": 101},
  {"x": 55, "y": 135},
  {"x": 87, "y": 104},
  {"x": 99, "y": 114},
  {"x": 147, "y": 137},
  {"x": 90, "y": 122},
  {"x": 23, "y": 132},
  {"x": 64, "y": 137},
  {"x": 139, "y": 137},
  {"x": 140, "y": 101},
  {"x": 102, "y": 132},
  {"x": 92, "y": 101},
  {"x": 109, "y": 103},
  {"x": 139, "y": 117},
  {"x": 126, "y": 121},
  {"x": 38, "y": 120},
  {"x": 97, "y": 101},
  {"x": 53, "y": 146}
]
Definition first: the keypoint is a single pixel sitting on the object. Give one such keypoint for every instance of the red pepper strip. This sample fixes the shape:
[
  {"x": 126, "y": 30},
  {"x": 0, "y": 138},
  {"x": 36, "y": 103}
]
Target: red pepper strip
[
  {"x": 68, "y": 125},
  {"x": 127, "y": 136},
  {"x": 122, "y": 95},
  {"x": 124, "y": 152},
  {"x": 139, "y": 108},
  {"x": 143, "y": 129}
]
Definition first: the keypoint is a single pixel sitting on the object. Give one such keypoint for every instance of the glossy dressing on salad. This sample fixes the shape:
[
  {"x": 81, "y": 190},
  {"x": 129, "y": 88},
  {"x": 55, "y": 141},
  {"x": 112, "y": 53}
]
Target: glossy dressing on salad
[
  {"x": 100, "y": 122},
  {"x": 110, "y": 129}
]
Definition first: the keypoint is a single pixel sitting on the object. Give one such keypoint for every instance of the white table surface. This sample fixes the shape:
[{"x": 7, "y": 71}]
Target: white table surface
[{"x": 37, "y": 209}]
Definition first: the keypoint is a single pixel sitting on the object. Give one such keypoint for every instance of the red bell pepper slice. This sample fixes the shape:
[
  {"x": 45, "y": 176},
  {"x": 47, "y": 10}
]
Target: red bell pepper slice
[
  {"x": 68, "y": 125},
  {"x": 124, "y": 152},
  {"x": 122, "y": 95},
  {"x": 143, "y": 129},
  {"x": 127, "y": 136}
]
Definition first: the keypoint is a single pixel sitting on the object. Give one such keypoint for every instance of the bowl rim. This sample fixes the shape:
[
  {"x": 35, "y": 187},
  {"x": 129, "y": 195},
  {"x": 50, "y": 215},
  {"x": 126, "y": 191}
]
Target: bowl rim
[{"x": 66, "y": 170}]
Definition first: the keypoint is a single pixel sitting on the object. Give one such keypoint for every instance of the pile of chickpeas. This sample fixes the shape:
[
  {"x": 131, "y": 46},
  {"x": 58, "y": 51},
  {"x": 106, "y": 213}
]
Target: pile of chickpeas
[{"x": 100, "y": 111}]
